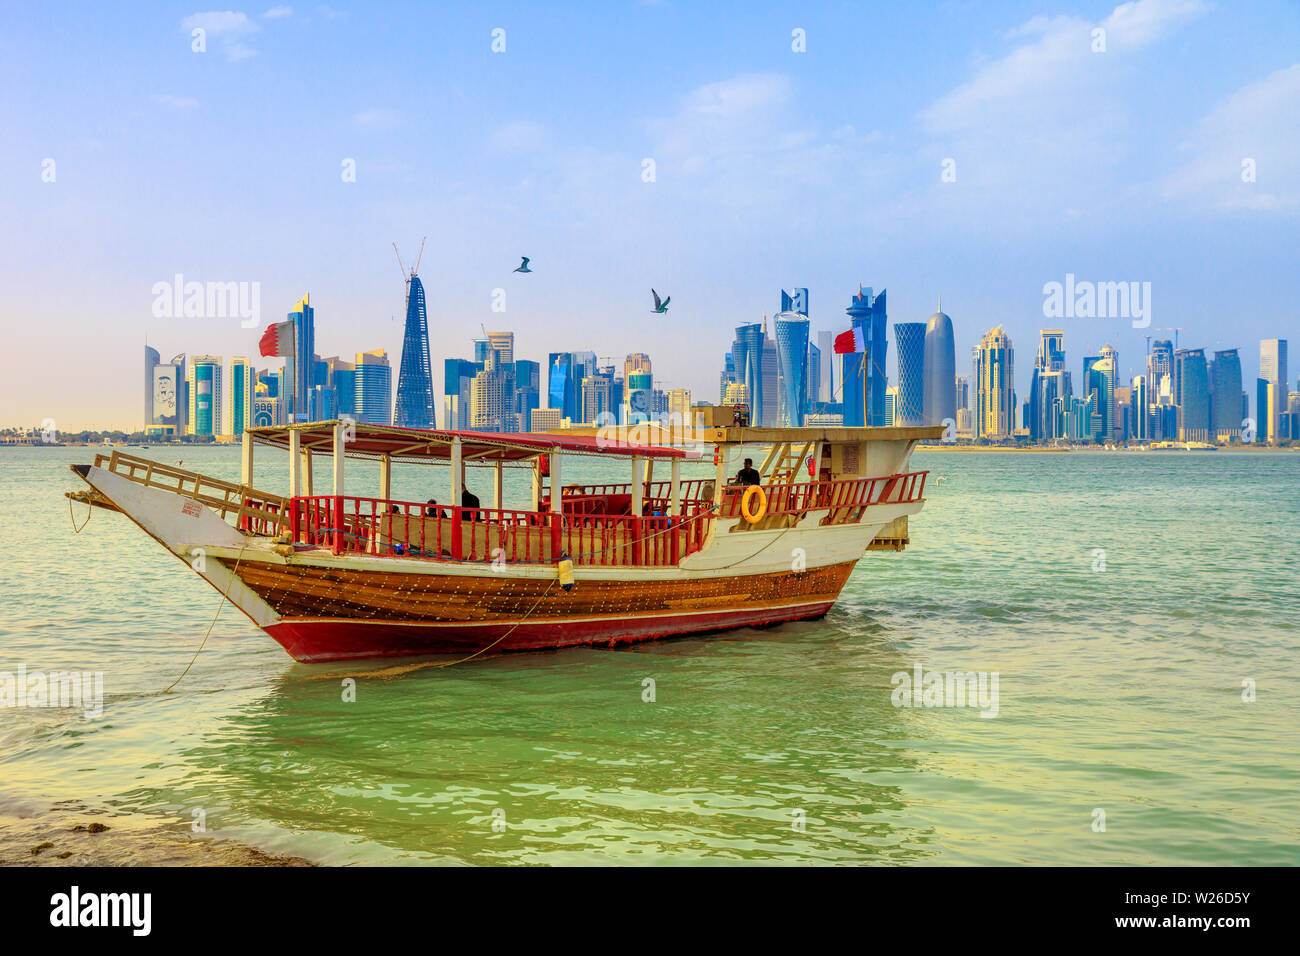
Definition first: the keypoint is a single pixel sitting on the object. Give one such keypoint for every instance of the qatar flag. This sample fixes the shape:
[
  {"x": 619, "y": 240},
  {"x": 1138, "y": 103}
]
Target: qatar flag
[
  {"x": 850, "y": 341},
  {"x": 277, "y": 339}
]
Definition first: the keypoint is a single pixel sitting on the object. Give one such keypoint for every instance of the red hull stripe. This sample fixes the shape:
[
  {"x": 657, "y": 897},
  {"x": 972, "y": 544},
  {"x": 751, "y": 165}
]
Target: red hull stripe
[{"x": 337, "y": 640}]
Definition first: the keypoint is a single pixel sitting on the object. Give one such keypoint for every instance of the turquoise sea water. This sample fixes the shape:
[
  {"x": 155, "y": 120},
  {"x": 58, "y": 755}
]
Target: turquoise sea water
[{"x": 1120, "y": 689}]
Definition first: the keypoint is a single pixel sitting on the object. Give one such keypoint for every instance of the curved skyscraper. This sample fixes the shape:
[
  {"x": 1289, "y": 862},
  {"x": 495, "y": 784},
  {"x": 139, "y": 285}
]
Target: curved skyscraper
[
  {"x": 747, "y": 354},
  {"x": 940, "y": 398},
  {"x": 792, "y": 365},
  {"x": 909, "y": 337},
  {"x": 863, "y": 373},
  {"x": 415, "y": 382}
]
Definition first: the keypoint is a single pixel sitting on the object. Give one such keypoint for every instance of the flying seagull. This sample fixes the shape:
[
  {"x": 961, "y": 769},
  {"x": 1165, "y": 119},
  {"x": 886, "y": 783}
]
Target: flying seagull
[
  {"x": 660, "y": 306},
  {"x": 523, "y": 266}
]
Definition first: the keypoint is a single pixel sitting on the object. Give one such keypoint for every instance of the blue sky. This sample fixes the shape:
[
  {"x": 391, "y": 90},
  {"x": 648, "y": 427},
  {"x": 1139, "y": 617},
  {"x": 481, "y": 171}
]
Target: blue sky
[{"x": 772, "y": 168}]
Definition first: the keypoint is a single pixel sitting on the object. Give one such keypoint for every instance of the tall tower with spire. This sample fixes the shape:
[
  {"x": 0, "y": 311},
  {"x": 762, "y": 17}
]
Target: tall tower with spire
[{"x": 415, "y": 380}]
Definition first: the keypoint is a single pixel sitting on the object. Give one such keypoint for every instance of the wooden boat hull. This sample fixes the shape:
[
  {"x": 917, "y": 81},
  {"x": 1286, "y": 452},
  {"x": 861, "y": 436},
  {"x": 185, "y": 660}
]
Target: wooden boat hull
[{"x": 338, "y": 614}]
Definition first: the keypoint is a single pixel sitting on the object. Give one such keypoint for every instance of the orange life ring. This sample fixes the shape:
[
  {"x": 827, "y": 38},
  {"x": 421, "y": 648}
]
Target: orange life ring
[{"x": 753, "y": 516}]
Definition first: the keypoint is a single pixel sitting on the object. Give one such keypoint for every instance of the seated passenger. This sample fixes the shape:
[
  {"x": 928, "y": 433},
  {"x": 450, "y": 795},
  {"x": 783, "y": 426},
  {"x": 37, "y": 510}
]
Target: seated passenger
[{"x": 748, "y": 475}]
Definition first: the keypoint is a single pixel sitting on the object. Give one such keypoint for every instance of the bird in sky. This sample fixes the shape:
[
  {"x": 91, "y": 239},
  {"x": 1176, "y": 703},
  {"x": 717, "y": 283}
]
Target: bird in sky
[
  {"x": 660, "y": 306},
  {"x": 523, "y": 266}
]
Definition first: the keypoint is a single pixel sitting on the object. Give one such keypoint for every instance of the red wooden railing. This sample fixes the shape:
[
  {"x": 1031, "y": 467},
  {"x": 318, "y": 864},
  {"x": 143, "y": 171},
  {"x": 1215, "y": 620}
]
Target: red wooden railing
[
  {"x": 832, "y": 495},
  {"x": 353, "y": 525}
]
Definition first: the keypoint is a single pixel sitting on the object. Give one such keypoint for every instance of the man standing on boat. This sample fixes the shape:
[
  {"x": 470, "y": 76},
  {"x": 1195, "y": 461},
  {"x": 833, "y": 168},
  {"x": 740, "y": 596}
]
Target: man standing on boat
[
  {"x": 749, "y": 474},
  {"x": 470, "y": 500}
]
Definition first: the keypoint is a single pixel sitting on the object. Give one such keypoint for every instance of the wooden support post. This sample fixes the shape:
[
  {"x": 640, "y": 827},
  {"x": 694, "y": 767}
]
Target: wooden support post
[
  {"x": 537, "y": 483},
  {"x": 457, "y": 481},
  {"x": 638, "y": 495},
  {"x": 295, "y": 465},
  {"x": 340, "y": 455},
  {"x": 385, "y": 477},
  {"x": 308, "y": 484},
  {"x": 675, "y": 507},
  {"x": 339, "y": 524},
  {"x": 675, "y": 489},
  {"x": 246, "y": 462},
  {"x": 497, "y": 476},
  {"x": 557, "y": 488},
  {"x": 557, "y": 507}
]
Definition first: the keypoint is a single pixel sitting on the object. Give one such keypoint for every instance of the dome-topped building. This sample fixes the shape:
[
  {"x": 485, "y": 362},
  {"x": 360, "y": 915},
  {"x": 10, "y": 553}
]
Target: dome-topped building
[{"x": 940, "y": 399}]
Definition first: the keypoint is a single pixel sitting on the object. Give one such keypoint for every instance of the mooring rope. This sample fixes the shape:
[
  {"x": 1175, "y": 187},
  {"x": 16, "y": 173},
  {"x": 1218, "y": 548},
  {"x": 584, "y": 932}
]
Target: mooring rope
[
  {"x": 90, "y": 510},
  {"x": 399, "y": 670},
  {"x": 225, "y": 595}
]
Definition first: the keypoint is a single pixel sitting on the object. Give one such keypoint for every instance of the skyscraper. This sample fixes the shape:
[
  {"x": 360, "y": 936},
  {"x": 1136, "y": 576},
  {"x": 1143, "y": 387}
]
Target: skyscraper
[
  {"x": 792, "y": 367},
  {"x": 814, "y": 369},
  {"x": 939, "y": 401},
  {"x": 298, "y": 367},
  {"x": 747, "y": 356},
  {"x": 1045, "y": 384},
  {"x": 205, "y": 395},
  {"x": 457, "y": 376},
  {"x": 994, "y": 396},
  {"x": 415, "y": 381},
  {"x": 1108, "y": 369},
  {"x": 504, "y": 343},
  {"x": 1272, "y": 369},
  {"x": 1160, "y": 363},
  {"x": 491, "y": 397},
  {"x": 795, "y": 300},
  {"x": 595, "y": 398},
  {"x": 826, "y": 377},
  {"x": 909, "y": 408},
  {"x": 1141, "y": 408},
  {"x": 863, "y": 373},
  {"x": 374, "y": 388},
  {"x": 771, "y": 372},
  {"x": 166, "y": 406},
  {"x": 151, "y": 361},
  {"x": 564, "y": 385},
  {"x": 1225, "y": 395},
  {"x": 240, "y": 410},
  {"x": 1193, "y": 397},
  {"x": 528, "y": 390},
  {"x": 640, "y": 400},
  {"x": 343, "y": 383},
  {"x": 636, "y": 362}
]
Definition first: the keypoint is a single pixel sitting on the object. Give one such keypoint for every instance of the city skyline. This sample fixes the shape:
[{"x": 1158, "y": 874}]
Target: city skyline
[{"x": 181, "y": 157}]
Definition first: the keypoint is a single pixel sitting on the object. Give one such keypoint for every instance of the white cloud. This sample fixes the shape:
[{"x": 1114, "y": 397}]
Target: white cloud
[
  {"x": 220, "y": 23},
  {"x": 224, "y": 28},
  {"x": 175, "y": 102},
  {"x": 1039, "y": 76},
  {"x": 276, "y": 13},
  {"x": 1261, "y": 123}
]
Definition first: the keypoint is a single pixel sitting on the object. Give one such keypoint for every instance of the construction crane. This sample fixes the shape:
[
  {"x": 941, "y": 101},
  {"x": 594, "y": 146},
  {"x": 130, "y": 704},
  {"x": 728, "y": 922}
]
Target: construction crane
[
  {"x": 1174, "y": 329},
  {"x": 402, "y": 266}
]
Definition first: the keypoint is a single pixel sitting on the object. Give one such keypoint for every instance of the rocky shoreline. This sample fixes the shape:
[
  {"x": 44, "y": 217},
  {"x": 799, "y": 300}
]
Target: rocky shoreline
[{"x": 63, "y": 838}]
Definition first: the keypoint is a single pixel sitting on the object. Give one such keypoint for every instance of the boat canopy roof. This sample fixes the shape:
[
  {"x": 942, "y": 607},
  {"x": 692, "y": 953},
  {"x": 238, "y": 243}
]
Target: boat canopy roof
[{"x": 419, "y": 444}]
